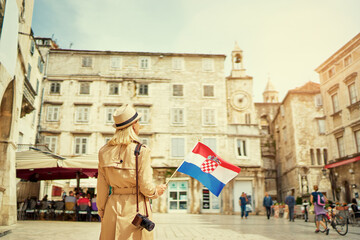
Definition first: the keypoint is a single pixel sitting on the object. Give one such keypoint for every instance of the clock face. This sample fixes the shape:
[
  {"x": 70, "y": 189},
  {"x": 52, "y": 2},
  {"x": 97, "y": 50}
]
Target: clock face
[{"x": 240, "y": 100}]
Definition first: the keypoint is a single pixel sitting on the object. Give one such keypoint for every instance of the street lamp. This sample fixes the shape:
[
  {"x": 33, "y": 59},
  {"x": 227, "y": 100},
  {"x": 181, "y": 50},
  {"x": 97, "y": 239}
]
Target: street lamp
[{"x": 324, "y": 172}]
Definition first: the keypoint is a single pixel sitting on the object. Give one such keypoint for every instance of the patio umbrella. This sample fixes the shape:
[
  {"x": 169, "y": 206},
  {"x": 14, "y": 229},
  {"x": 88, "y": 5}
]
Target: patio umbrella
[{"x": 35, "y": 165}]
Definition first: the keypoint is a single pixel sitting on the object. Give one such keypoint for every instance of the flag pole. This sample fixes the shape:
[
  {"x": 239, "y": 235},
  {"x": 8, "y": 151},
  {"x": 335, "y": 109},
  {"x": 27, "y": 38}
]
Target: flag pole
[{"x": 167, "y": 182}]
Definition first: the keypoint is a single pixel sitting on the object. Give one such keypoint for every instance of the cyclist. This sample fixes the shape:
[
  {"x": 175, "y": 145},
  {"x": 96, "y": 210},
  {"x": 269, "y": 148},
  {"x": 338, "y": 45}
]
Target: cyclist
[{"x": 320, "y": 212}]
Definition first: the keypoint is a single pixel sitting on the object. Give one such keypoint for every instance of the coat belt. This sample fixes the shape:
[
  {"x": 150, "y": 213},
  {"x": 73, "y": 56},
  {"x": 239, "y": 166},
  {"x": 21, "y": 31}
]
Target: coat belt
[{"x": 124, "y": 191}]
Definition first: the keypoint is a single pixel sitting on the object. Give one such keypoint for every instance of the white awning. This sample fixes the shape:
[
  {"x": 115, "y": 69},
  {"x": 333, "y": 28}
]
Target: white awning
[
  {"x": 36, "y": 159},
  {"x": 83, "y": 161}
]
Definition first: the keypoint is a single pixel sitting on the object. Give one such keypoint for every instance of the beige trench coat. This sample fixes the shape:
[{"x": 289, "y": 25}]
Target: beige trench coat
[{"x": 117, "y": 169}]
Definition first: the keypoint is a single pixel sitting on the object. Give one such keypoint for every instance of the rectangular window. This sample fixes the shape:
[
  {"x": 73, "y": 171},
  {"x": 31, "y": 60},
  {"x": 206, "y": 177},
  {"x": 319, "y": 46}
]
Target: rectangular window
[
  {"x": 347, "y": 61},
  {"x": 321, "y": 125},
  {"x": 115, "y": 62},
  {"x": 81, "y": 145},
  {"x": 357, "y": 140},
  {"x": 114, "y": 89},
  {"x": 325, "y": 154},
  {"x": 178, "y": 64},
  {"x": 209, "y": 117},
  {"x": 40, "y": 64},
  {"x": 109, "y": 114},
  {"x": 145, "y": 112},
  {"x": 208, "y": 64},
  {"x": 177, "y": 147},
  {"x": 37, "y": 86},
  {"x": 51, "y": 142},
  {"x": 352, "y": 93},
  {"x": 241, "y": 150},
  {"x": 143, "y": 90},
  {"x": 32, "y": 47},
  {"x": 86, "y": 62},
  {"x": 55, "y": 88},
  {"x": 318, "y": 156},
  {"x": 177, "y": 115},
  {"x": 82, "y": 114},
  {"x": 211, "y": 143},
  {"x": 144, "y": 63},
  {"x": 318, "y": 100},
  {"x": 335, "y": 103},
  {"x": 208, "y": 91},
  {"x": 85, "y": 88},
  {"x": 331, "y": 72},
  {"x": 178, "y": 90},
  {"x": 312, "y": 157},
  {"x": 247, "y": 118},
  {"x": 341, "y": 147},
  {"x": 52, "y": 113},
  {"x": 28, "y": 75}
]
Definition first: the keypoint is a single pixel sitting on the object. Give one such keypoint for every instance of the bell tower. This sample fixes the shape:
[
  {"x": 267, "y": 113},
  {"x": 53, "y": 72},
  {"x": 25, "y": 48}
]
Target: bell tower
[
  {"x": 270, "y": 95},
  {"x": 239, "y": 91}
]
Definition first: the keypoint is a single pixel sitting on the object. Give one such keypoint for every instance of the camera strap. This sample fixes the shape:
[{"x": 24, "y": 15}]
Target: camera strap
[{"x": 137, "y": 152}]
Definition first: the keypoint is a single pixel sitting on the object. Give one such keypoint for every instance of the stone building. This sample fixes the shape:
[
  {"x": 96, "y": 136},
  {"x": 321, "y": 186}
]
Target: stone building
[
  {"x": 301, "y": 148},
  {"x": 21, "y": 66},
  {"x": 266, "y": 112},
  {"x": 183, "y": 99},
  {"x": 340, "y": 89}
]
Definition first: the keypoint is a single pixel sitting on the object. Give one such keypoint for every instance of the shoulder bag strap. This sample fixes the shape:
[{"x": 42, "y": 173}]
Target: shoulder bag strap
[{"x": 137, "y": 152}]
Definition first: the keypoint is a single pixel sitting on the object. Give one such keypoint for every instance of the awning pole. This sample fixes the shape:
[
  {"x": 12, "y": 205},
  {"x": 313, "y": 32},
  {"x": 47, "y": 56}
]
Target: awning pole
[{"x": 78, "y": 181}]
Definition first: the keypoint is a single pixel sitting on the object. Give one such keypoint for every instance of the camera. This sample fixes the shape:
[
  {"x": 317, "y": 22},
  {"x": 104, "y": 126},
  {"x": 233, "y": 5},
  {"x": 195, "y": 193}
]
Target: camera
[{"x": 141, "y": 221}]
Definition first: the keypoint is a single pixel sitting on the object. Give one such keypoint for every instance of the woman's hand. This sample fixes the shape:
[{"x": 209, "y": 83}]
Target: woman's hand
[{"x": 161, "y": 189}]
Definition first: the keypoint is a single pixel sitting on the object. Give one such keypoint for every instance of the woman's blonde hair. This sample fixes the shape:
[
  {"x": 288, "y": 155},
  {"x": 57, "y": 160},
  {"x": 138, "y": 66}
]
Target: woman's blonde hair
[{"x": 123, "y": 136}]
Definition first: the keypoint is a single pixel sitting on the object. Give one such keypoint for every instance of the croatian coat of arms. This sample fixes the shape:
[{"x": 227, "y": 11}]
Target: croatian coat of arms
[{"x": 210, "y": 164}]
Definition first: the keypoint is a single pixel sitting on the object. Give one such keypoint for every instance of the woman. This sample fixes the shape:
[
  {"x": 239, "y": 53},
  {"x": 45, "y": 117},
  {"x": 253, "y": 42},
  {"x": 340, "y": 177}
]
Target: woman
[
  {"x": 117, "y": 169},
  {"x": 242, "y": 202},
  {"x": 320, "y": 212}
]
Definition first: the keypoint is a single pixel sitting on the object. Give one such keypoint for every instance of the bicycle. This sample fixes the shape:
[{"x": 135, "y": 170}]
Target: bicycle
[{"x": 336, "y": 221}]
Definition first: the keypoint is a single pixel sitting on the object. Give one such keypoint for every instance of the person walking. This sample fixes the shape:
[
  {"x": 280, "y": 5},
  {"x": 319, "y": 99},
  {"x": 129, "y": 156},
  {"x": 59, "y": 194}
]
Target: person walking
[
  {"x": 117, "y": 168},
  {"x": 290, "y": 201},
  {"x": 242, "y": 202},
  {"x": 267, "y": 203},
  {"x": 305, "y": 205},
  {"x": 320, "y": 212}
]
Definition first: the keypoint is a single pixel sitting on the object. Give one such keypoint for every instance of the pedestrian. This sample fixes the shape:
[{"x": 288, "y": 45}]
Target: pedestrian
[
  {"x": 243, "y": 200},
  {"x": 320, "y": 212},
  {"x": 290, "y": 201},
  {"x": 267, "y": 203},
  {"x": 305, "y": 205},
  {"x": 117, "y": 168}
]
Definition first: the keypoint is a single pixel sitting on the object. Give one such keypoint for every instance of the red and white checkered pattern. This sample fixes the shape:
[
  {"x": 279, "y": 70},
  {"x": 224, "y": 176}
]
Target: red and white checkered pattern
[{"x": 209, "y": 166}]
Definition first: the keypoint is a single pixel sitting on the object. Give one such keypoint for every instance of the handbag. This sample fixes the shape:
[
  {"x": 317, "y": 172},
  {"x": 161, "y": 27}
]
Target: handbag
[{"x": 140, "y": 220}]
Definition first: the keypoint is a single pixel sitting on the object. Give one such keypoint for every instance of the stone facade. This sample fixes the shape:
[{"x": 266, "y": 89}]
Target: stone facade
[
  {"x": 301, "y": 149},
  {"x": 340, "y": 84},
  {"x": 183, "y": 100},
  {"x": 19, "y": 88}
]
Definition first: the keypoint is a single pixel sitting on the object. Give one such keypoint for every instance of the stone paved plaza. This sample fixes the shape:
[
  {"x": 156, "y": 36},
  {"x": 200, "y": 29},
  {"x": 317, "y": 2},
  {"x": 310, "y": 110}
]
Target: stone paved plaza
[{"x": 184, "y": 226}]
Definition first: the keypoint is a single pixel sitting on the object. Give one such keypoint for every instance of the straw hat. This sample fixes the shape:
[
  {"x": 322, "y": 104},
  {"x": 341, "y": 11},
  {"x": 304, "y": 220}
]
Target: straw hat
[{"x": 124, "y": 116}]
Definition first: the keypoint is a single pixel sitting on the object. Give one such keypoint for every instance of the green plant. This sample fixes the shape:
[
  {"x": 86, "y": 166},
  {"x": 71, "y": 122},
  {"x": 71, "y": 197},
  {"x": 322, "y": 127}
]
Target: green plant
[{"x": 299, "y": 200}]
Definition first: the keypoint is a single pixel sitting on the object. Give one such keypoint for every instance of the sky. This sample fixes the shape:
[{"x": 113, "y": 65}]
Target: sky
[{"x": 284, "y": 40}]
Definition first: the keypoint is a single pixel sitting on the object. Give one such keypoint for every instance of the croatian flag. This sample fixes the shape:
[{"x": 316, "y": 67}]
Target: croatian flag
[{"x": 208, "y": 168}]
